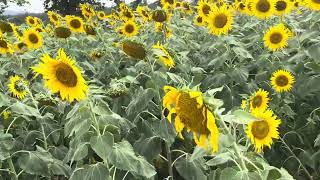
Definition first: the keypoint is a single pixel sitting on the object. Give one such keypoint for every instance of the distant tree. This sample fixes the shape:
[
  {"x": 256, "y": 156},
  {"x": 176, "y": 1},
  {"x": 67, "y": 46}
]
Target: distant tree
[
  {"x": 4, "y": 4},
  {"x": 66, "y": 7}
]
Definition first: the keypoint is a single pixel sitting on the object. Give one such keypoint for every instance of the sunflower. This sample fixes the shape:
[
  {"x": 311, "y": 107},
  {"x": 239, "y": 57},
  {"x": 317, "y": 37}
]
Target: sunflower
[
  {"x": 62, "y": 75},
  {"x": 6, "y": 115},
  {"x": 130, "y": 28},
  {"x": 220, "y": 20},
  {"x": 161, "y": 15},
  {"x": 204, "y": 8},
  {"x": 313, "y": 4},
  {"x": 186, "y": 7},
  {"x": 168, "y": 4},
  {"x": 262, "y": 8},
  {"x": 282, "y": 81},
  {"x": 54, "y": 18},
  {"x": 144, "y": 12},
  {"x": 39, "y": 29},
  {"x": 263, "y": 130},
  {"x": 20, "y": 47},
  {"x": 134, "y": 49},
  {"x": 282, "y": 7},
  {"x": 62, "y": 32},
  {"x": 191, "y": 112},
  {"x": 75, "y": 23},
  {"x": 199, "y": 21},
  {"x": 5, "y": 47},
  {"x": 101, "y": 15},
  {"x": 32, "y": 38},
  {"x": 90, "y": 30},
  {"x": 87, "y": 11},
  {"x": 96, "y": 55},
  {"x": 168, "y": 32},
  {"x": 17, "y": 86},
  {"x": 31, "y": 21},
  {"x": 17, "y": 33},
  {"x": 165, "y": 56},
  {"x": 259, "y": 100},
  {"x": 277, "y": 37},
  {"x": 127, "y": 15}
]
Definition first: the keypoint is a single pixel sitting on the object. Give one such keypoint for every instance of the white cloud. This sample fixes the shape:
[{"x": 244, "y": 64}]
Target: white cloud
[{"x": 35, "y": 6}]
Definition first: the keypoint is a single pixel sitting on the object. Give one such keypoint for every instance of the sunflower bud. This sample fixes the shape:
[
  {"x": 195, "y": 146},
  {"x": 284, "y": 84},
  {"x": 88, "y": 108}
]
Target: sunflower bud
[
  {"x": 62, "y": 32},
  {"x": 117, "y": 89},
  {"x": 134, "y": 49}
]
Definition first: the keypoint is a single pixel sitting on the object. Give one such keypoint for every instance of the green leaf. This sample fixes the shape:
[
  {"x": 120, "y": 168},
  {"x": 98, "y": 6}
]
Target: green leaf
[
  {"x": 91, "y": 172},
  {"x": 4, "y": 101},
  {"x": 78, "y": 124},
  {"x": 102, "y": 145},
  {"x": 140, "y": 102},
  {"x": 123, "y": 157},
  {"x": 228, "y": 173},
  {"x": 23, "y": 109},
  {"x": 242, "y": 117},
  {"x": 190, "y": 170},
  {"x": 6, "y": 144},
  {"x": 220, "y": 159},
  {"x": 149, "y": 147}
]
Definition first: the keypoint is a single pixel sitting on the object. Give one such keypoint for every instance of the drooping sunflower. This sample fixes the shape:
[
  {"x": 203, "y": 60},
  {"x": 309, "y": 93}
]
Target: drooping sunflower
[
  {"x": 168, "y": 4},
  {"x": 199, "y": 21},
  {"x": 101, "y": 15},
  {"x": 54, "y": 18},
  {"x": 204, "y": 8},
  {"x": 312, "y": 4},
  {"x": 165, "y": 57},
  {"x": 220, "y": 20},
  {"x": 17, "y": 86},
  {"x": 32, "y": 38},
  {"x": 5, "y": 27},
  {"x": 134, "y": 49},
  {"x": 283, "y": 7},
  {"x": 263, "y": 130},
  {"x": 130, "y": 28},
  {"x": 192, "y": 113},
  {"x": 262, "y": 8},
  {"x": 87, "y": 11},
  {"x": 17, "y": 33},
  {"x": 259, "y": 100},
  {"x": 75, "y": 23},
  {"x": 63, "y": 76},
  {"x": 30, "y": 21},
  {"x": 161, "y": 15},
  {"x": 90, "y": 30},
  {"x": 5, "y": 47},
  {"x": 20, "y": 47},
  {"x": 282, "y": 81},
  {"x": 127, "y": 15},
  {"x": 62, "y": 32},
  {"x": 144, "y": 13},
  {"x": 277, "y": 37}
]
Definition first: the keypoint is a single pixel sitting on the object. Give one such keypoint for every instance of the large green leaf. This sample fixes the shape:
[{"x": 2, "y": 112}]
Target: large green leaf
[
  {"x": 91, "y": 172},
  {"x": 190, "y": 170},
  {"x": 102, "y": 145}
]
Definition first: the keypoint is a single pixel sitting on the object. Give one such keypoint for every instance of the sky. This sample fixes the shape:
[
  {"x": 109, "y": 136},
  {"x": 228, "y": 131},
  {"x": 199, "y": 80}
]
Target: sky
[{"x": 36, "y": 6}]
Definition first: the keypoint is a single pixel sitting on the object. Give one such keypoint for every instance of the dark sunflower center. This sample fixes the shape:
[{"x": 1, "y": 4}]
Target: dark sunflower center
[
  {"x": 220, "y": 20},
  {"x": 101, "y": 15},
  {"x": 19, "y": 33},
  {"x": 129, "y": 28},
  {"x": 257, "y": 101},
  {"x": 128, "y": 14},
  {"x": 282, "y": 81},
  {"x": 54, "y": 17},
  {"x": 66, "y": 75},
  {"x": 276, "y": 38},
  {"x": 178, "y": 4},
  {"x": 316, "y": 1},
  {"x": 281, "y": 5},
  {"x": 134, "y": 50},
  {"x": 31, "y": 21},
  {"x": 206, "y": 9},
  {"x": 190, "y": 114},
  {"x": 18, "y": 86},
  {"x": 170, "y": 1},
  {"x": 144, "y": 13},
  {"x": 3, "y": 44},
  {"x": 21, "y": 45},
  {"x": 33, "y": 38},
  {"x": 242, "y": 6},
  {"x": 199, "y": 19},
  {"x": 88, "y": 10},
  {"x": 75, "y": 23},
  {"x": 263, "y": 6},
  {"x": 260, "y": 129}
]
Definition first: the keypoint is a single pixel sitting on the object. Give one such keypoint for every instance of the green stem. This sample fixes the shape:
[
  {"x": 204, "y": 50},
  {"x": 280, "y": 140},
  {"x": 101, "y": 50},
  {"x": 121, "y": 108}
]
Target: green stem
[
  {"x": 13, "y": 173},
  {"x": 169, "y": 160},
  {"x": 96, "y": 124}
]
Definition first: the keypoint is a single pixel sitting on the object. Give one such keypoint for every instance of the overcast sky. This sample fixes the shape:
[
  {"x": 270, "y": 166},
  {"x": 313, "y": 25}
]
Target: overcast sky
[{"x": 36, "y": 6}]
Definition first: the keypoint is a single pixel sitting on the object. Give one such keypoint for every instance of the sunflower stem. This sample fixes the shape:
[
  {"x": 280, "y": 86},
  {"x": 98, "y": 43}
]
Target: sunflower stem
[
  {"x": 96, "y": 124},
  {"x": 294, "y": 155},
  {"x": 169, "y": 160},
  {"x": 13, "y": 173}
]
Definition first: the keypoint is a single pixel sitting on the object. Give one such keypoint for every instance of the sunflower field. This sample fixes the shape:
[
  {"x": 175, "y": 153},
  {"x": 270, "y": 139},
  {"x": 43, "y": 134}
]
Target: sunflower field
[{"x": 206, "y": 90}]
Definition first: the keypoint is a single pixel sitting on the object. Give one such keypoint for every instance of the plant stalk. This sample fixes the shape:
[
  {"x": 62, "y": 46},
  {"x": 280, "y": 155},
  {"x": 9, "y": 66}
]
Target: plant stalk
[{"x": 169, "y": 160}]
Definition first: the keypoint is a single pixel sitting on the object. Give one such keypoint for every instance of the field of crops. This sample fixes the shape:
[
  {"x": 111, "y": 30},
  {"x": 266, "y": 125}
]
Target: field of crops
[{"x": 212, "y": 90}]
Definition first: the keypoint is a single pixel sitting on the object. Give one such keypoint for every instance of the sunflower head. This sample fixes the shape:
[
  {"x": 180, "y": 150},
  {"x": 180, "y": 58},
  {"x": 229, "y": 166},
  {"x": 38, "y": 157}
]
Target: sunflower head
[
  {"x": 168, "y": 4},
  {"x": 159, "y": 15},
  {"x": 282, "y": 81},
  {"x": 62, "y": 76},
  {"x": 30, "y": 21},
  {"x": 187, "y": 7},
  {"x": 127, "y": 15},
  {"x": 5, "y": 27},
  {"x": 17, "y": 33},
  {"x": 117, "y": 89},
  {"x": 101, "y": 15},
  {"x": 311, "y": 4},
  {"x": 134, "y": 49},
  {"x": 165, "y": 57},
  {"x": 75, "y": 23},
  {"x": 263, "y": 130},
  {"x": 90, "y": 30},
  {"x": 220, "y": 20},
  {"x": 54, "y": 18},
  {"x": 21, "y": 47},
  {"x": 191, "y": 112},
  {"x": 263, "y": 8},
  {"x": 17, "y": 86},
  {"x": 199, "y": 21},
  {"x": 277, "y": 37},
  {"x": 144, "y": 12},
  {"x": 130, "y": 28},
  {"x": 259, "y": 100},
  {"x": 283, "y": 7},
  {"x": 5, "y": 47},
  {"x": 62, "y": 32},
  {"x": 204, "y": 8},
  {"x": 32, "y": 38}
]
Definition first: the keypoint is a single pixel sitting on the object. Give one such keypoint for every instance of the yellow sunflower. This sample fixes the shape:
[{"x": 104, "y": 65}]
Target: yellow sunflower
[
  {"x": 62, "y": 32},
  {"x": 130, "y": 28},
  {"x": 75, "y": 23},
  {"x": 263, "y": 130},
  {"x": 54, "y": 18},
  {"x": 283, "y": 7},
  {"x": 191, "y": 112},
  {"x": 262, "y": 8},
  {"x": 32, "y": 38},
  {"x": 101, "y": 15},
  {"x": 87, "y": 11},
  {"x": 5, "y": 47},
  {"x": 277, "y": 37},
  {"x": 63, "y": 76},
  {"x": 259, "y": 100},
  {"x": 17, "y": 33},
  {"x": 204, "y": 8},
  {"x": 282, "y": 81},
  {"x": 127, "y": 15},
  {"x": 186, "y": 7},
  {"x": 30, "y": 21},
  {"x": 312, "y": 4},
  {"x": 168, "y": 4},
  {"x": 6, "y": 115},
  {"x": 165, "y": 58},
  {"x": 144, "y": 12},
  {"x": 199, "y": 21},
  {"x": 20, "y": 47},
  {"x": 220, "y": 20},
  {"x": 17, "y": 86}
]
